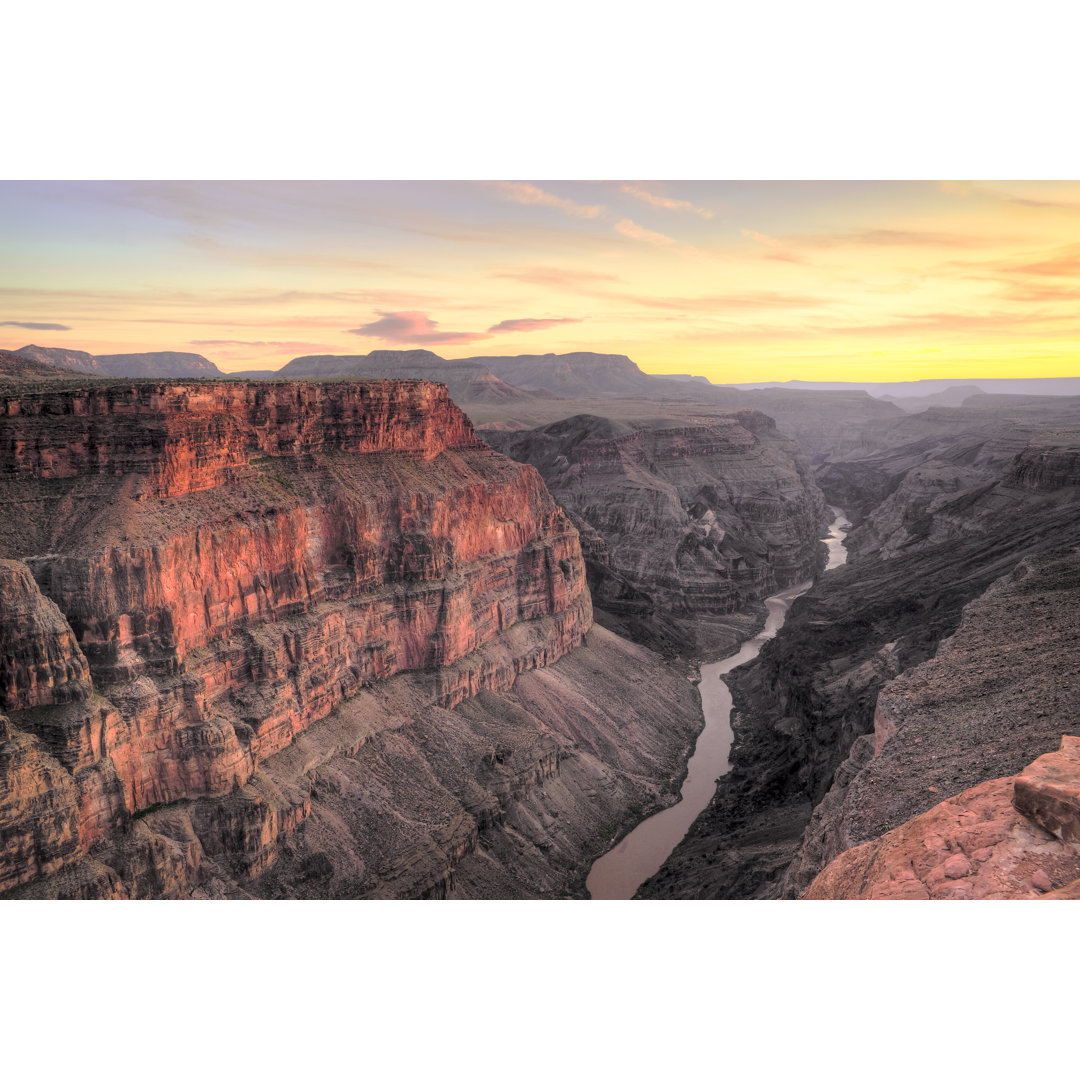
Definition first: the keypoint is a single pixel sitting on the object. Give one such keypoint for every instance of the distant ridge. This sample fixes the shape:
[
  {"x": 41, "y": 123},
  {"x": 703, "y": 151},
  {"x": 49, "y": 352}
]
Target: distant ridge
[
  {"x": 923, "y": 387},
  {"x": 149, "y": 365}
]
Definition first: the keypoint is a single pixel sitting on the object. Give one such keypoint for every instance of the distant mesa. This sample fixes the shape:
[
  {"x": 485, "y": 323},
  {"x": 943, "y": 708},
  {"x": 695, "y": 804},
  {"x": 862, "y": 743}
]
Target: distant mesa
[
  {"x": 149, "y": 365},
  {"x": 18, "y": 367},
  {"x": 684, "y": 378}
]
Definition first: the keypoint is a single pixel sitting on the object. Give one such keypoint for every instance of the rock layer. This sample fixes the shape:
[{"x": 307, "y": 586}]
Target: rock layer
[
  {"x": 205, "y": 575},
  {"x": 682, "y": 525},
  {"x": 1013, "y": 838}
]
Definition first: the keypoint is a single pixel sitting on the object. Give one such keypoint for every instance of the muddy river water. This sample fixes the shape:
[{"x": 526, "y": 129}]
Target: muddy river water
[{"x": 618, "y": 874}]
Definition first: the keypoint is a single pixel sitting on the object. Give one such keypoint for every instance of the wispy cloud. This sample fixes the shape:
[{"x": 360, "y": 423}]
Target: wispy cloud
[
  {"x": 891, "y": 238},
  {"x": 951, "y": 322},
  {"x": 636, "y": 232},
  {"x": 509, "y": 326},
  {"x": 966, "y": 188},
  {"x": 734, "y": 301},
  {"x": 530, "y": 195},
  {"x": 776, "y": 248},
  {"x": 260, "y": 344},
  {"x": 663, "y": 201},
  {"x": 36, "y": 325},
  {"x": 413, "y": 328},
  {"x": 1065, "y": 263},
  {"x": 555, "y": 277}
]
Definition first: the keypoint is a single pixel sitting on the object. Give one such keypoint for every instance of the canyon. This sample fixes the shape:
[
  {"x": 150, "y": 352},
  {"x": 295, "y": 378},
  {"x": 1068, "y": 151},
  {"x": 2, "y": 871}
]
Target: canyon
[
  {"x": 334, "y": 636},
  {"x": 955, "y": 507}
]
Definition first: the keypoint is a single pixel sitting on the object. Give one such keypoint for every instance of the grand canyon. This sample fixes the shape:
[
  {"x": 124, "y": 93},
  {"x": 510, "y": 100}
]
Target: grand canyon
[
  {"x": 671, "y": 561},
  {"x": 333, "y": 632}
]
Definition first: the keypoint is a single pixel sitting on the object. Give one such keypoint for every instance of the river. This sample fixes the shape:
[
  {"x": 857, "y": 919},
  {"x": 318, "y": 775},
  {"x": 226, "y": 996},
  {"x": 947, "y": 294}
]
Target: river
[{"x": 619, "y": 873}]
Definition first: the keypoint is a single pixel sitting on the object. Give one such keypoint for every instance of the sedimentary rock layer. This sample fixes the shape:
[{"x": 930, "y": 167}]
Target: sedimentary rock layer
[
  {"x": 198, "y": 574},
  {"x": 682, "y": 525},
  {"x": 1009, "y": 839}
]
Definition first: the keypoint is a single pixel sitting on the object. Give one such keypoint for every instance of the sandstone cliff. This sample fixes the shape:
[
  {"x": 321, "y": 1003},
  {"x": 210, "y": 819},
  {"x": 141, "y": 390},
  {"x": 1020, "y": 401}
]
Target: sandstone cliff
[
  {"x": 684, "y": 525},
  {"x": 269, "y": 639}
]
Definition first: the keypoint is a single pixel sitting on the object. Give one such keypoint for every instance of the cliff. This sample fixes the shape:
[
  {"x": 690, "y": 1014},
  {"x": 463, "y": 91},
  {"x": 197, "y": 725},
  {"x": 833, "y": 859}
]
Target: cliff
[
  {"x": 973, "y": 501},
  {"x": 284, "y": 627},
  {"x": 998, "y": 692},
  {"x": 684, "y": 525}
]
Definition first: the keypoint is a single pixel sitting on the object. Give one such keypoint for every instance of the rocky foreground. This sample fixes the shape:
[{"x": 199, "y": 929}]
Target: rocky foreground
[{"x": 288, "y": 639}]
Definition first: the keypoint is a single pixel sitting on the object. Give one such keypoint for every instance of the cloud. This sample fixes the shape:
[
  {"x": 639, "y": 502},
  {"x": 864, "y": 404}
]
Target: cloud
[
  {"x": 993, "y": 191},
  {"x": 1064, "y": 264},
  {"x": 891, "y": 238},
  {"x": 260, "y": 344},
  {"x": 531, "y": 195},
  {"x": 633, "y": 230},
  {"x": 37, "y": 325},
  {"x": 662, "y": 201},
  {"x": 777, "y": 250},
  {"x": 738, "y": 301},
  {"x": 556, "y": 277},
  {"x": 951, "y": 322},
  {"x": 509, "y": 326},
  {"x": 412, "y": 328}
]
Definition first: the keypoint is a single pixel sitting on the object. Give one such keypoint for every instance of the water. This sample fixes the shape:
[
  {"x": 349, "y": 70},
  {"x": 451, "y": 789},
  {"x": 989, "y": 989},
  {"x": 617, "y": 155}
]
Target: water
[{"x": 618, "y": 874}]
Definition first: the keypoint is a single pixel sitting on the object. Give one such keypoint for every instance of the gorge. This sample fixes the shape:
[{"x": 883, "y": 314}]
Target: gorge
[{"x": 330, "y": 637}]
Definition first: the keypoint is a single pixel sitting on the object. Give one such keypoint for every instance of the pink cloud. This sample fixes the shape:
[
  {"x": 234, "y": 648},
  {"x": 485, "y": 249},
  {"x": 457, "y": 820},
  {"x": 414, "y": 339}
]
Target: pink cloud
[
  {"x": 663, "y": 201},
  {"x": 412, "y": 327},
  {"x": 633, "y": 230},
  {"x": 508, "y": 326},
  {"x": 531, "y": 195}
]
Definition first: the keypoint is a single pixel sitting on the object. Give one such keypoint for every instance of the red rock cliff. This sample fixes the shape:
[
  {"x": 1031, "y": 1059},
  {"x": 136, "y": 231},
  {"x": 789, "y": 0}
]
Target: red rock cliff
[{"x": 196, "y": 573}]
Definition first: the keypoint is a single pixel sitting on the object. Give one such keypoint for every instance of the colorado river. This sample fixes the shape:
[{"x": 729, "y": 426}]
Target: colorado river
[{"x": 619, "y": 873}]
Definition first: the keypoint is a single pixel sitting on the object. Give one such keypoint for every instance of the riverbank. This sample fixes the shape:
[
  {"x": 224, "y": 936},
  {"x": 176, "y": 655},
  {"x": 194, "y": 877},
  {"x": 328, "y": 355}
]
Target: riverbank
[{"x": 631, "y": 861}]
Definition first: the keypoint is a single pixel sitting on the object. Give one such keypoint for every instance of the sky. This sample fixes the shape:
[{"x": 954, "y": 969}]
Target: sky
[{"x": 739, "y": 281}]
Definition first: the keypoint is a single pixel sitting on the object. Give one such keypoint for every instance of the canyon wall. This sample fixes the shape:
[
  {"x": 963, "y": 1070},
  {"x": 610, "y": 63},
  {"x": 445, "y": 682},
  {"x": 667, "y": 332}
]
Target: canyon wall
[
  {"x": 965, "y": 502},
  {"x": 282, "y": 626},
  {"x": 685, "y": 526}
]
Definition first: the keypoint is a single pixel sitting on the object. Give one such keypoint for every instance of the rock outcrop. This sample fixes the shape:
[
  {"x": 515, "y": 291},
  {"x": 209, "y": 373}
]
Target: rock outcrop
[
  {"x": 1010, "y": 839},
  {"x": 252, "y": 624},
  {"x": 684, "y": 526}
]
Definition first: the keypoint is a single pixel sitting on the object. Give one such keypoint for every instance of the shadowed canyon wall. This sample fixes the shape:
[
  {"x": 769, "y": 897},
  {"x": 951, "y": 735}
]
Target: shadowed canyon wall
[{"x": 684, "y": 526}]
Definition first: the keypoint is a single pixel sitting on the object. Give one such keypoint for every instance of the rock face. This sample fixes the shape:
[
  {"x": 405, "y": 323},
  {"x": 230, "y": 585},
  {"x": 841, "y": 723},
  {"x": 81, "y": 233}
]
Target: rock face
[
  {"x": 1009, "y": 839},
  {"x": 829, "y": 750},
  {"x": 251, "y": 624},
  {"x": 682, "y": 525},
  {"x": 999, "y": 691}
]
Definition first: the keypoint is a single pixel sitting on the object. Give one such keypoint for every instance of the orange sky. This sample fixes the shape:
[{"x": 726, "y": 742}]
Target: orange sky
[{"x": 735, "y": 280}]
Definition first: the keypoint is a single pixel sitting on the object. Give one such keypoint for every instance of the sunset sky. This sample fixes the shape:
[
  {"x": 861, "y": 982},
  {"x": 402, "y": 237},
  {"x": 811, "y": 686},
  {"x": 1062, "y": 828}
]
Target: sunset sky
[{"x": 738, "y": 281}]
